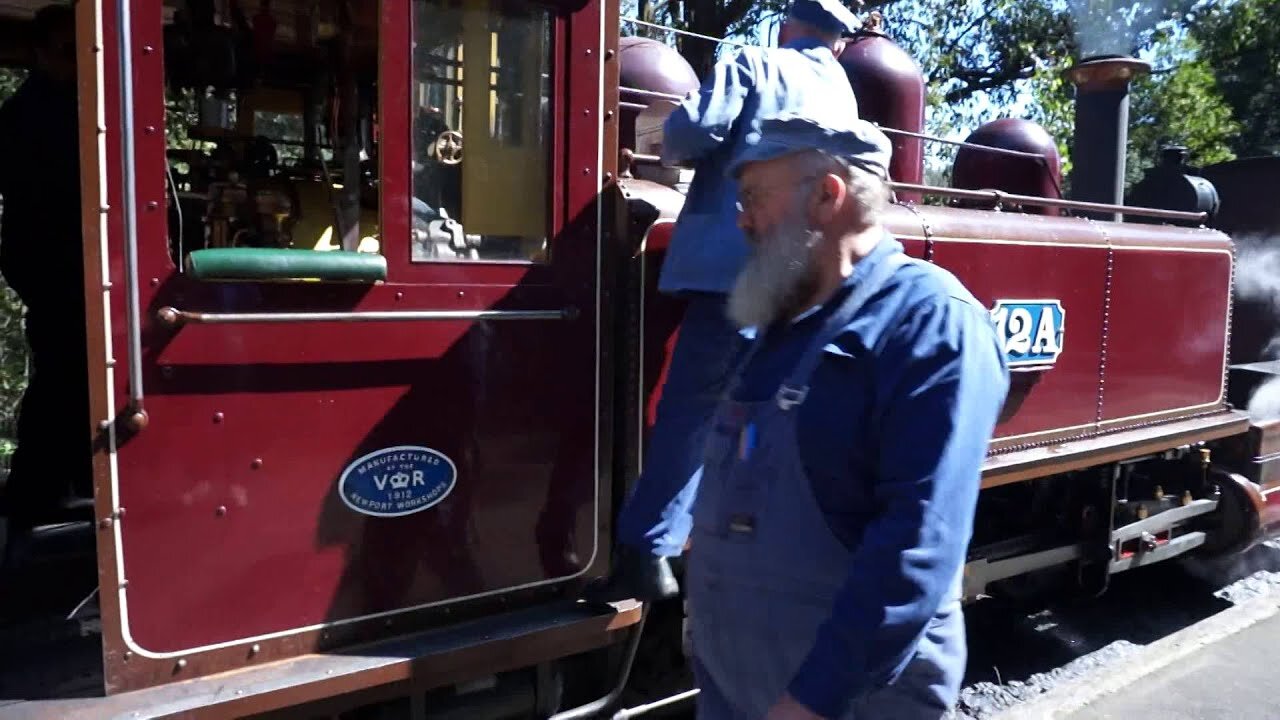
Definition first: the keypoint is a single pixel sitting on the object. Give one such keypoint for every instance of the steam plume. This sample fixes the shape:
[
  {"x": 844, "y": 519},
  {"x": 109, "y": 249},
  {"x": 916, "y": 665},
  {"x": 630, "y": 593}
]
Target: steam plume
[
  {"x": 1258, "y": 281},
  {"x": 1114, "y": 27}
]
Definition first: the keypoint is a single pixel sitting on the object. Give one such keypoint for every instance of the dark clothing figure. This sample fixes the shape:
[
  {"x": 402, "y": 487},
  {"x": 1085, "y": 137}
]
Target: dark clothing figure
[{"x": 41, "y": 258}]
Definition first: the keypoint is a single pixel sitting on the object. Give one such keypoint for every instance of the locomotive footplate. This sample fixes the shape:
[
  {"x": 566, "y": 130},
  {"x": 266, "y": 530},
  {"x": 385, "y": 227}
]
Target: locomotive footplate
[
  {"x": 1107, "y": 540},
  {"x": 359, "y": 675},
  {"x": 1158, "y": 537},
  {"x": 1155, "y": 538}
]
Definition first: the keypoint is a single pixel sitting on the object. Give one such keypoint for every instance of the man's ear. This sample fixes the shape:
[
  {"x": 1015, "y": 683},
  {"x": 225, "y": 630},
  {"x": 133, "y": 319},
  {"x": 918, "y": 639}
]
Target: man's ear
[{"x": 828, "y": 198}]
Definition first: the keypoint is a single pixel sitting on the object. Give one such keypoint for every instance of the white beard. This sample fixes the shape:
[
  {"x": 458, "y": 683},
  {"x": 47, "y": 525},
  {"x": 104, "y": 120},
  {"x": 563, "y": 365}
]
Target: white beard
[{"x": 779, "y": 270}]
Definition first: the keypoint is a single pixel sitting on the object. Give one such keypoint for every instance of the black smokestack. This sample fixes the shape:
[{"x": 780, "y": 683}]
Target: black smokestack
[{"x": 1102, "y": 128}]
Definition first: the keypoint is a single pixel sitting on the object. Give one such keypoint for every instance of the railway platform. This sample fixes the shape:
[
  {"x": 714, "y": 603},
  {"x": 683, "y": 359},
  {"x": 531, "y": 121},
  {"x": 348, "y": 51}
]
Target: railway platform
[
  {"x": 1222, "y": 666},
  {"x": 1229, "y": 679}
]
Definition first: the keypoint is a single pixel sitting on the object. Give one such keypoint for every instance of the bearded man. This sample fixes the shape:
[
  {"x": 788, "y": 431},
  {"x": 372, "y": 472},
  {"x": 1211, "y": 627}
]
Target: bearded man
[{"x": 840, "y": 480}]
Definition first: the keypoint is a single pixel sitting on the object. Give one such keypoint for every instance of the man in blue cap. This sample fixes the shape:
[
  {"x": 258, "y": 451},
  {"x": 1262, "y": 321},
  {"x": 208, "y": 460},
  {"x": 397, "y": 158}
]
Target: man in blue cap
[
  {"x": 844, "y": 462},
  {"x": 705, "y": 132}
]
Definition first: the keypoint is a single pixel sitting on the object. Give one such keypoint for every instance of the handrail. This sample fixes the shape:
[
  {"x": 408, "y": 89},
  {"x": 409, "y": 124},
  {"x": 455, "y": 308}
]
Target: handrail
[
  {"x": 643, "y": 157},
  {"x": 1042, "y": 160},
  {"x": 886, "y": 130},
  {"x": 998, "y": 197},
  {"x": 138, "y": 414},
  {"x": 962, "y": 143},
  {"x": 678, "y": 31},
  {"x": 173, "y": 317},
  {"x": 651, "y": 94},
  {"x": 594, "y": 708},
  {"x": 645, "y": 709}
]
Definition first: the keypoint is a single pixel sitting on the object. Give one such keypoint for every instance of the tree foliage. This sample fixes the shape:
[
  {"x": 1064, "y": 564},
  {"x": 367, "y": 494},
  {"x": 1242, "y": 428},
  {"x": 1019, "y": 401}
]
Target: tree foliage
[
  {"x": 988, "y": 58},
  {"x": 1215, "y": 86},
  {"x": 1180, "y": 106},
  {"x": 10, "y": 79},
  {"x": 1240, "y": 41},
  {"x": 985, "y": 59}
]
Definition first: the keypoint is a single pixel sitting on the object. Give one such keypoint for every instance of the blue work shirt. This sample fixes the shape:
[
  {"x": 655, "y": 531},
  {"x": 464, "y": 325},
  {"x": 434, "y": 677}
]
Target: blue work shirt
[
  {"x": 710, "y": 127},
  {"x": 892, "y": 437}
]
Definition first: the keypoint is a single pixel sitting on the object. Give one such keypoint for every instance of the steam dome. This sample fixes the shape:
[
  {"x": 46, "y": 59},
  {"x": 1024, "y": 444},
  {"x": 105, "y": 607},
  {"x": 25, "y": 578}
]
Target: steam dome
[
  {"x": 647, "y": 64},
  {"x": 979, "y": 170},
  {"x": 889, "y": 86}
]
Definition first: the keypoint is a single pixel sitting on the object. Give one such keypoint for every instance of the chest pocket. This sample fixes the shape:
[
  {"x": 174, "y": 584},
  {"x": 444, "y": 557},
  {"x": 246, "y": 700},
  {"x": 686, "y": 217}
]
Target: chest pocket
[{"x": 837, "y": 436}]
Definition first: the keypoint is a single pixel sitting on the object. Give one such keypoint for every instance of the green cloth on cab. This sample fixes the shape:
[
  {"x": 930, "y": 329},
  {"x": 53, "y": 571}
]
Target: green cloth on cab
[{"x": 285, "y": 264}]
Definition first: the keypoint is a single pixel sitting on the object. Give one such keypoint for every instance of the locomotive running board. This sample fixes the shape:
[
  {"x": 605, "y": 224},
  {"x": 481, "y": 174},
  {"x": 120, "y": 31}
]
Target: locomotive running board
[
  {"x": 1067, "y": 455},
  {"x": 387, "y": 669}
]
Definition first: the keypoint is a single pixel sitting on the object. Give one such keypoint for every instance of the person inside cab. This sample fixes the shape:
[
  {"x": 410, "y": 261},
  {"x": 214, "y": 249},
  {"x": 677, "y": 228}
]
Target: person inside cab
[{"x": 41, "y": 258}]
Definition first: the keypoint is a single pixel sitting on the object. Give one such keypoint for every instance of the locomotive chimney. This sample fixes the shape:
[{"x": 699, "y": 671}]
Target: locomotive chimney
[{"x": 1102, "y": 128}]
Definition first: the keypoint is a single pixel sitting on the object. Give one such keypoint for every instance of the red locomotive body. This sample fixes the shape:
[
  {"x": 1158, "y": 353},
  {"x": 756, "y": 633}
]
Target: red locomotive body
[{"x": 365, "y": 397}]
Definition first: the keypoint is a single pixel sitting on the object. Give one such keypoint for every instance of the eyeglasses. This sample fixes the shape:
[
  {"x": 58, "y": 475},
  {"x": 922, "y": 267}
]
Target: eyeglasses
[{"x": 748, "y": 197}]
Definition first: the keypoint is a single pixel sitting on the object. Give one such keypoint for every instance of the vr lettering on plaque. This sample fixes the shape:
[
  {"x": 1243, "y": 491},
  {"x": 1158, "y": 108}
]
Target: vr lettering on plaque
[{"x": 397, "y": 481}]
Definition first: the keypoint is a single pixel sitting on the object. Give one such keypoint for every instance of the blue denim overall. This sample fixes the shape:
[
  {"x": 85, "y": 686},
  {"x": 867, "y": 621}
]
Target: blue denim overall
[{"x": 765, "y": 567}]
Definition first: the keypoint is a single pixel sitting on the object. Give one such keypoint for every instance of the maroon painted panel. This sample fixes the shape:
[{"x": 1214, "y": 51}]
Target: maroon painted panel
[
  {"x": 1067, "y": 394},
  {"x": 996, "y": 268},
  {"x": 233, "y": 527},
  {"x": 1166, "y": 345},
  {"x": 1010, "y": 257},
  {"x": 233, "y": 485}
]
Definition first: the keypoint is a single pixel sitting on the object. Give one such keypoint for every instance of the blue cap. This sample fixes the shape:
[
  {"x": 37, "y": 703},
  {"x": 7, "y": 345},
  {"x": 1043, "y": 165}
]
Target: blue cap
[
  {"x": 855, "y": 141},
  {"x": 829, "y": 15}
]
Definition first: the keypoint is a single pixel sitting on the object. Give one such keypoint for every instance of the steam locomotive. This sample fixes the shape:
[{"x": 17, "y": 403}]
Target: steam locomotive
[
  {"x": 365, "y": 398},
  {"x": 1120, "y": 444}
]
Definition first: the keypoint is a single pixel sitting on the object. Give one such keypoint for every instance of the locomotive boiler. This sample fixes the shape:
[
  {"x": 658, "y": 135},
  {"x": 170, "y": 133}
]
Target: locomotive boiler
[{"x": 375, "y": 340}]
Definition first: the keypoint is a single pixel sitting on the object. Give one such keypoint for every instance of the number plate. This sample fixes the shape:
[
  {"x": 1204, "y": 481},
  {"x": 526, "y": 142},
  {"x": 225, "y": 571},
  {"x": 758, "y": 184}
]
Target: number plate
[{"x": 1030, "y": 330}]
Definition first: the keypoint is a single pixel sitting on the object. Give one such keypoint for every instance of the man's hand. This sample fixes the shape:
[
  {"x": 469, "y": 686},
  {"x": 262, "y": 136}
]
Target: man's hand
[{"x": 788, "y": 709}]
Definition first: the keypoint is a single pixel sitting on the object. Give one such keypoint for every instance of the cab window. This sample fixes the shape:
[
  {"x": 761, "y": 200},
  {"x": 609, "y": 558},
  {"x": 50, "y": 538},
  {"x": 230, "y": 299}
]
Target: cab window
[
  {"x": 272, "y": 137},
  {"x": 481, "y": 131}
]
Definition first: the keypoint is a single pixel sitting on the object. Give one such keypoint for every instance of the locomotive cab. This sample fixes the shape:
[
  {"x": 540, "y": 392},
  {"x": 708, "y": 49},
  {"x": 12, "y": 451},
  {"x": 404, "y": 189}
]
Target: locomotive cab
[{"x": 345, "y": 263}]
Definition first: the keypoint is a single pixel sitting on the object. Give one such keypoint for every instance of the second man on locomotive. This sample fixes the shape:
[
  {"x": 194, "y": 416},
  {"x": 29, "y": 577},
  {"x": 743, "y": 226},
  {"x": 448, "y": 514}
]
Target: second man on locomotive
[{"x": 706, "y": 131}]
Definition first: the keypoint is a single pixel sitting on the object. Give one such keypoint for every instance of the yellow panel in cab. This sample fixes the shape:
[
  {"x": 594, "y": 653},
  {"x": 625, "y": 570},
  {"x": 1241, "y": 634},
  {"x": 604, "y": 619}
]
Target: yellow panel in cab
[
  {"x": 316, "y": 217},
  {"x": 503, "y": 183}
]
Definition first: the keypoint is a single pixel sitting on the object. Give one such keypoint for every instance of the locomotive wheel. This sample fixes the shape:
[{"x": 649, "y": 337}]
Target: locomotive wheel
[{"x": 448, "y": 147}]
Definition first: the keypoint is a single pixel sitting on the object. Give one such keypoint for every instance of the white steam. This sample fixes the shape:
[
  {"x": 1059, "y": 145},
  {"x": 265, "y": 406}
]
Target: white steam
[
  {"x": 1258, "y": 280},
  {"x": 1114, "y": 27},
  {"x": 1264, "y": 404},
  {"x": 1258, "y": 269}
]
